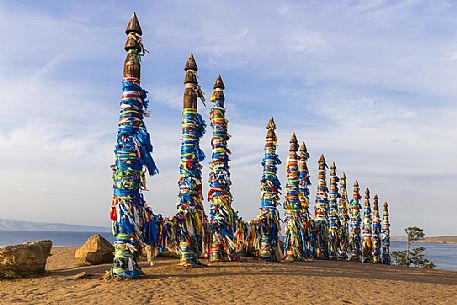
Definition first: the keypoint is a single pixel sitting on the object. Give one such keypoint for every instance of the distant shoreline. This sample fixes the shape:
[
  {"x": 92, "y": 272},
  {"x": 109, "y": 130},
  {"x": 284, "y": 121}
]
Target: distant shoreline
[
  {"x": 7, "y": 224},
  {"x": 104, "y": 230},
  {"x": 440, "y": 239},
  {"x": 430, "y": 239}
]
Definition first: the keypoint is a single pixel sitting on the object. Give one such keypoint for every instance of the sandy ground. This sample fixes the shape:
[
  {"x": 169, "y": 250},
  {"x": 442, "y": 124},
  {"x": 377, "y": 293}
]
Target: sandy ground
[{"x": 250, "y": 282}]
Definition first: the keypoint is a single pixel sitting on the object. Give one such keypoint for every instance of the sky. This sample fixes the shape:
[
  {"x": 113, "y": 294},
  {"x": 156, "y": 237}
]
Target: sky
[{"x": 370, "y": 84}]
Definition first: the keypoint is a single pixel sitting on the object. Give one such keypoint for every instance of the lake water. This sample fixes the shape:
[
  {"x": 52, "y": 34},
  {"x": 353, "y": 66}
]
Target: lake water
[
  {"x": 58, "y": 238},
  {"x": 443, "y": 255}
]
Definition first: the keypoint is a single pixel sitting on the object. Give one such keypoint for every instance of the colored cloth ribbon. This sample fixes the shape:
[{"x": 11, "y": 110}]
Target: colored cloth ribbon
[
  {"x": 133, "y": 224},
  {"x": 334, "y": 221},
  {"x": 355, "y": 243},
  {"x": 343, "y": 208},
  {"x": 191, "y": 218},
  {"x": 270, "y": 188},
  {"x": 223, "y": 219},
  {"x": 295, "y": 228}
]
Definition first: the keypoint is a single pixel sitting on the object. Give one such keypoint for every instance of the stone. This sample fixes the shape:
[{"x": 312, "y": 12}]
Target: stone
[
  {"x": 24, "y": 259},
  {"x": 97, "y": 250}
]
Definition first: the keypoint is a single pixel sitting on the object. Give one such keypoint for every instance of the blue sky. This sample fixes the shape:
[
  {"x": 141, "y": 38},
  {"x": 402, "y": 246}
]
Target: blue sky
[{"x": 371, "y": 84}]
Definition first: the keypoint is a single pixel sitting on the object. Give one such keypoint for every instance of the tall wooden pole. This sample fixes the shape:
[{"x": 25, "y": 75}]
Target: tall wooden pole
[
  {"x": 268, "y": 219},
  {"x": 367, "y": 230},
  {"x": 355, "y": 242},
  {"x": 343, "y": 208},
  {"x": 223, "y": 223},
  {"x": 192, "y": 221},
  {"x": 385, "y": 235},
  {"x": 321, "y": 212},
  {"x": 131, "y": 219},
  {"x": 294, "y": 244},
  {"x": 303, "y": 187},
  {"x": 376, "y": 240},
  {"x": 334, "y": 222}
]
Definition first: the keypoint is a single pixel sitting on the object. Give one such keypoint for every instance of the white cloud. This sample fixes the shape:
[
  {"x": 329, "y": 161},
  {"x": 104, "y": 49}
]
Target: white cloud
[
  {"x": 232, "y": 51},
  {"x": 305, "y": 42},
  {"x": 283, "y": 9},
  {"x": 167, "y": 95}
]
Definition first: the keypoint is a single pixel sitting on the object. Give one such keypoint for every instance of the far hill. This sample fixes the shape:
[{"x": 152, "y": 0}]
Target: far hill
[
  {"x": 22, "y": 225},
  {"x": 441, "y": 239}
]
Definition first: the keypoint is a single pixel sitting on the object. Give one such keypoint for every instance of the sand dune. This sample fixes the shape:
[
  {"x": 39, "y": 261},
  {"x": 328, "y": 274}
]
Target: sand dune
[{"x": 250, "y": 282}]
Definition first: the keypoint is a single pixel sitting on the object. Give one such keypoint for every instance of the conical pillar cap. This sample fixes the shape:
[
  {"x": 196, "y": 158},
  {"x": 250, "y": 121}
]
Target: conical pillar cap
[
  {"x": 304, "y": 155},
  {"x": 322, "y": 164},
  {"x": 219, "y": 83},
  {"x": 134, "y": 25},
  {"x": 271, "y": 124},
  {"x": 293, "y": 139},
  {"x": 303, "y": 147},
  {"x": 293, "y": 143},
  {"x": 333, "y": 169},
  {"x": 191, "y": 64}
]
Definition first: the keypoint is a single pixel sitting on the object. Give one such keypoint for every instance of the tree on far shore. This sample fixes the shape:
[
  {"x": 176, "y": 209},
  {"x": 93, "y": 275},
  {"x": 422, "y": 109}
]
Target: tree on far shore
[{"x": 413, "y": 256}]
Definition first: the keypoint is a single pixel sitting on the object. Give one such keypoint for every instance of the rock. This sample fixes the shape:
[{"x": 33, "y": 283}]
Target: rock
[
  {"x": 97, "y": 250},
  {"x": 24, "y": 259}
]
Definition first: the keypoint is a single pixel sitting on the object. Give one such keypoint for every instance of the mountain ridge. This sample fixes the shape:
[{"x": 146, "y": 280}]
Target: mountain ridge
[{"x": 23, "y": 225}]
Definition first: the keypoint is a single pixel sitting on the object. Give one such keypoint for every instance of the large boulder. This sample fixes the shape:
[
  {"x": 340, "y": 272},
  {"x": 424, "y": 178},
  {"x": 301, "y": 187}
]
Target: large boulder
[
  {"x": 24, "y": 259},
  {"x": 97, "y": 250}
]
